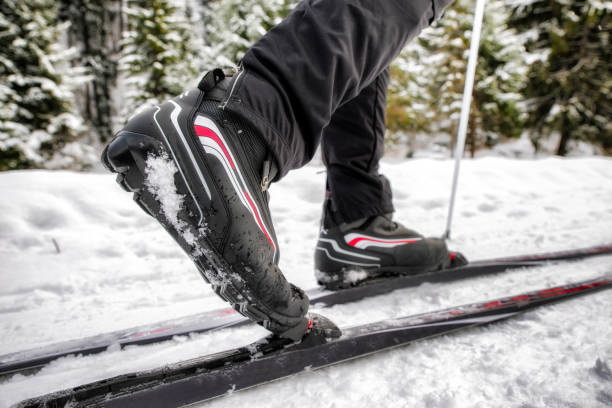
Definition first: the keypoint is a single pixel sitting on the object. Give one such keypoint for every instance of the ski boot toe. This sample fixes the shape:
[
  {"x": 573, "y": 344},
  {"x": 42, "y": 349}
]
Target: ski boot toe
[
  {"x": 319, "y": 330},
  {"x": 457, "y": 259},
  {"x": 321, "y": 326}
]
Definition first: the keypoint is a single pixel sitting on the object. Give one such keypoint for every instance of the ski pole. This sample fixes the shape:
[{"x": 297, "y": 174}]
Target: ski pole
[{"x": 465, "y": 107}]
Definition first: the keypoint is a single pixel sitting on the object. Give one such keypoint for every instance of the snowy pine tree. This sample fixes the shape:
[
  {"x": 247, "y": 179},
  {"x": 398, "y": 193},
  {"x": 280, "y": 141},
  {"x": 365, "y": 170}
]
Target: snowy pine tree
[
  {"x": 429, "y": 94},
  {"x": 569, "y": 81},
  {"x": 91, "y": 33},
  {"x": 160, "y": 56},
  {"x": 408, "y": 99},
  {"x": 234, "y": 25},
  {"x": 36, "y": 121}
]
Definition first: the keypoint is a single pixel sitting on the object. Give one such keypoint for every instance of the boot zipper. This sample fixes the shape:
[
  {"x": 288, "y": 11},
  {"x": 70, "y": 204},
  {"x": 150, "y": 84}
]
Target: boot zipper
[{"x": 231, "y": 93}]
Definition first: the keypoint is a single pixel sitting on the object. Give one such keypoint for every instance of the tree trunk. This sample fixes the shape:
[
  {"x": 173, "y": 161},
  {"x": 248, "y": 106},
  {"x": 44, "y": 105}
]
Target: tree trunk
[
  {"x": 565, "y": 136},
  {"x": 122, "y": 28},
  {"x": 472, "y": 135}
]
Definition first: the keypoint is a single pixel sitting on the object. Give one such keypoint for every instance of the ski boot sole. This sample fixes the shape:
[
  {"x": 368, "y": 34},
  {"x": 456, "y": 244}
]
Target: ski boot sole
[{"x": 348, "y": 277}]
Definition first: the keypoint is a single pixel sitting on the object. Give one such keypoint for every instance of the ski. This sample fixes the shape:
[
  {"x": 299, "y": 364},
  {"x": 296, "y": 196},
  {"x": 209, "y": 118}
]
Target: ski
[
  {"x": 271, "y": 359},
  {"x": 33, "y": 359}
]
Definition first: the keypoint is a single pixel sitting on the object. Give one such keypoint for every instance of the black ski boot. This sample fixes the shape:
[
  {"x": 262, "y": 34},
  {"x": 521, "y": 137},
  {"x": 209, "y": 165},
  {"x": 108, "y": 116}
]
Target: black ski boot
[
  {"x": 350, "y": 253},
  {"x": 203, "y": 172}
]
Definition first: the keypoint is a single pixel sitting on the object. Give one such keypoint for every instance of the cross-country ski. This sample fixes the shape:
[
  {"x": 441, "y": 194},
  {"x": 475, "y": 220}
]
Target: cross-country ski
[
  {"x": 29, "y": 360},
  {"x": 274, "y": 358}
]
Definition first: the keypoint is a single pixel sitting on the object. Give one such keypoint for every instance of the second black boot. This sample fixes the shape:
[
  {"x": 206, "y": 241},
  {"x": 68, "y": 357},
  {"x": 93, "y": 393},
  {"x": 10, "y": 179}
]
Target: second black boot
[{"x": 348, "y": 254}]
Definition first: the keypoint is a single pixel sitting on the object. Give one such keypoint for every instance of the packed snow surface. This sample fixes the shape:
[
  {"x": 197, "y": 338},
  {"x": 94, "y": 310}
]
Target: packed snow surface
[{"x": 79, "y": 258}]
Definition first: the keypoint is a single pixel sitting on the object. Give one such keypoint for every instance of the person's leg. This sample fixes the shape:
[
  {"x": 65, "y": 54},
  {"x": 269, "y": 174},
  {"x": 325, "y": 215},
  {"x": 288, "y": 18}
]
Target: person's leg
[
  {"x": 359, "y": 240},
  {"x": 323, "y": 54},
  {"x": 352, "y": 145},
  {"x": 200, "y": 163}
]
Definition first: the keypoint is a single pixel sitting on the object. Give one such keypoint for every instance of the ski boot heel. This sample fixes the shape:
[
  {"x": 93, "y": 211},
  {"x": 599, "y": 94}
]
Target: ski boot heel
[
  {"x": 127, "y": 156},
  {"x": 337, "y": 269}
]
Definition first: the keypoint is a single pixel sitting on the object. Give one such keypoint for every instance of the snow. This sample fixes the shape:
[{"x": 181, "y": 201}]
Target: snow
[
  {"x": 160, "y": 181},
  {"x": 114, "y": 267}
]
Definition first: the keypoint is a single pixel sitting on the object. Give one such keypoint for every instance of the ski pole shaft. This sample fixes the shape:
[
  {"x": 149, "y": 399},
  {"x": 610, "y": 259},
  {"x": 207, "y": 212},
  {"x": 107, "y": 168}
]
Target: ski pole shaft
[{"x": 465, "y": 107}]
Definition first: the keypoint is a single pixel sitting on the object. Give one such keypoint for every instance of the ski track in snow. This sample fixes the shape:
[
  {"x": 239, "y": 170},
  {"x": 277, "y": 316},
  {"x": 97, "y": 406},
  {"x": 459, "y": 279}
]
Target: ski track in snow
[{"x": 116, "y": 268}]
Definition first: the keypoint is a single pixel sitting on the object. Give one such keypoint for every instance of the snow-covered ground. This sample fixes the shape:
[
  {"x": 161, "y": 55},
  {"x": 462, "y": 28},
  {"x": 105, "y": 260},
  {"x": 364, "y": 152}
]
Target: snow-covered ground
[{"x": 78, "y": 257}]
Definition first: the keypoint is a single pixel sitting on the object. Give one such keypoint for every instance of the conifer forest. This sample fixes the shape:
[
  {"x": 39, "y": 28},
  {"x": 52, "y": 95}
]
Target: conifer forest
[{"x": 73, "y": 71}]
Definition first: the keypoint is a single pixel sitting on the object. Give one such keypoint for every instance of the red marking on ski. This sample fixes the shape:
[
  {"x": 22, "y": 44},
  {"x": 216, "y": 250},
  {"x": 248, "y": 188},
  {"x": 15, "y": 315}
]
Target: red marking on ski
[
  {"x": 519, "y": 298},
  {"x": 137, "y": 335},
  {"x": 160, "y": 330},
  {"x": 597, "y": 250},
  {"x": 551, "y": 291},
  {"x": 493, "y": 305}
]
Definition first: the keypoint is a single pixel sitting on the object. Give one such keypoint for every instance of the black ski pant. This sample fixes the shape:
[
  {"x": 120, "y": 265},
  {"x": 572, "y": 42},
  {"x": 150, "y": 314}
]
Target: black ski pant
[
  {"x": 322, "y": 73},
  {"x": 352, "y": 145}
]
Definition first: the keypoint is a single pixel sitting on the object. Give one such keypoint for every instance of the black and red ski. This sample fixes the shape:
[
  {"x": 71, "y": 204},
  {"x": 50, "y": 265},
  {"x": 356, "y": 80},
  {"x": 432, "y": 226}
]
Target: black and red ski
[
  {"x": 212, "y": 376},
  {"x": 31, "y": 360}
]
